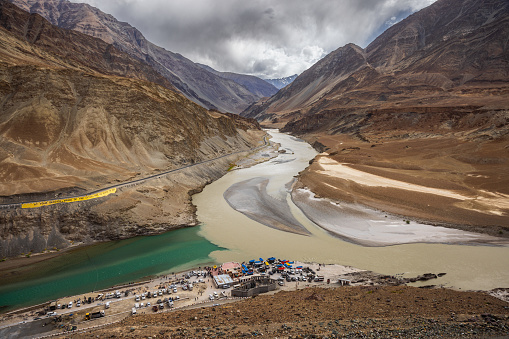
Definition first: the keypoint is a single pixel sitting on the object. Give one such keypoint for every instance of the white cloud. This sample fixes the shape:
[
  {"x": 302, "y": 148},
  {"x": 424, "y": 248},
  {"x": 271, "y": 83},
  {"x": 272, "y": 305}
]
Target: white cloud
[{"x": 267, "y": 38}]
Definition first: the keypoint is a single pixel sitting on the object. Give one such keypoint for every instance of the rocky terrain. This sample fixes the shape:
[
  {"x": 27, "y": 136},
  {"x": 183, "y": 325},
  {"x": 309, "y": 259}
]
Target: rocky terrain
[
  {"x": 205, "y": 88},
  {"x": 426, "y": 103},
  {"x": 347, "y": 312},
  {"x": 78, "y": 114}
]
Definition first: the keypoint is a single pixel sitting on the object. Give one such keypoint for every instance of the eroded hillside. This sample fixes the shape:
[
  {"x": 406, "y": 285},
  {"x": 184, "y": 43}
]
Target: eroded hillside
[{"x": 70, "y": 126}]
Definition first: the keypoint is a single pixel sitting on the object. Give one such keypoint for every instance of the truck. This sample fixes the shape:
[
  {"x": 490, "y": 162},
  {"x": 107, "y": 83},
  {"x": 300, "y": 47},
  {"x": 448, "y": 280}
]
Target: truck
[{"x": 94, "y": 315}]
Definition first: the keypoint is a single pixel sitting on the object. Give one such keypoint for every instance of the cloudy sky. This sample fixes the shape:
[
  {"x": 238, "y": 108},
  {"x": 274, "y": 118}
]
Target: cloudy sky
[{"x": 266, "y": 38}]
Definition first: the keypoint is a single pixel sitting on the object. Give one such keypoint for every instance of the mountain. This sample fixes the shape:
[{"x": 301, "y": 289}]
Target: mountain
[
  {"x": 420, "y": 113},
  {"x": 281, "y": 82},
  {"x": 76, "y": 115},
  {"x": 452, "y": 54},
  {"x": 198, "y": 85},
  {"x": 255, "y": 85}
]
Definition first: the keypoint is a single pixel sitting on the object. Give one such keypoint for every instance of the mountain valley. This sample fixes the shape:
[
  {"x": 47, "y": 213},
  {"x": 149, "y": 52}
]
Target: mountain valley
[
  {"x": 78, "y": 115},
  {"x": 425, "y": 103},
  {"x": 204, "y": 88}
]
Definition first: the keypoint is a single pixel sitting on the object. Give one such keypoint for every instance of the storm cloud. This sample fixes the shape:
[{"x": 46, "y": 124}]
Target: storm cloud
[{"x": 266, "y": 38}]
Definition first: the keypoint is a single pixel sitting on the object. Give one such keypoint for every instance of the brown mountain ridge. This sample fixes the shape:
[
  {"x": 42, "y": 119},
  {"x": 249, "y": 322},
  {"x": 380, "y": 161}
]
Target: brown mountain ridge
[
  {"x": 77, "y": 114},
  {"x": 426, "y": 103},
  {"x": 205, "y": 88}
]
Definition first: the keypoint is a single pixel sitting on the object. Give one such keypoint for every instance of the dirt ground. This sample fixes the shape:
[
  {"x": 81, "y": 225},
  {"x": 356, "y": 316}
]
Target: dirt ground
[
  {"x": 474, "y": 174},
  {"x": 356, "y": 311}
]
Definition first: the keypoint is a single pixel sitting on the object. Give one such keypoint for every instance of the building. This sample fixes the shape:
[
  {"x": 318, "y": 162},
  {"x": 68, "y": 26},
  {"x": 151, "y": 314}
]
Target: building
[
  {"x": 231, "y": 268},
  {"x": 223, "y": 280},
  {"x": 254, "y": 286}
]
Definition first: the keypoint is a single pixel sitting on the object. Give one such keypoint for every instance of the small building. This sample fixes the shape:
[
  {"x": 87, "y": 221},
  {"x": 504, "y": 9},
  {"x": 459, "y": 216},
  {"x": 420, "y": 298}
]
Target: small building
[
  {"x": 231, "y": 268},
  {"x": 344, "y": 282},
  {"x": 221, "y": 280},
  {"x": 254, "y": 286}
]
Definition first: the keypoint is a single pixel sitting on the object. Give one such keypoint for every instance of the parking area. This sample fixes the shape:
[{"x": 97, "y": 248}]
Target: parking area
[{"x": 162, "y": 294}]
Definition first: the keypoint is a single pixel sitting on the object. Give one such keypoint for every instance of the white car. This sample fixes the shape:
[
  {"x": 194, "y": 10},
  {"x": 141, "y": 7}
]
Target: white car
[
  {"x": 136, "y": 305},
  {"x": 175, "y": 290},
  {"x": 70, "y": 305},
  {"x": 51, "y": 314},
  {"x": 211, "y": 297},
  {"x": 137, "y": 298},
  {"x": 78, "y": 304}
]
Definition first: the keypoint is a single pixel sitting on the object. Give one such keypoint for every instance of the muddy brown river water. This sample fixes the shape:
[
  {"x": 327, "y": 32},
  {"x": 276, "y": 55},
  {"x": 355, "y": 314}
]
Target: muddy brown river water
[{"x": 245, "y": 234}]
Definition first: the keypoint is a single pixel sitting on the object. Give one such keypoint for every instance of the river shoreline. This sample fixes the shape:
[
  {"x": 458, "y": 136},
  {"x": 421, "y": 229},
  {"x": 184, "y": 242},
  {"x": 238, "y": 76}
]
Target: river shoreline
[
  {"x": 317, "y": 240},
  {"x": 359, "y": 281}
]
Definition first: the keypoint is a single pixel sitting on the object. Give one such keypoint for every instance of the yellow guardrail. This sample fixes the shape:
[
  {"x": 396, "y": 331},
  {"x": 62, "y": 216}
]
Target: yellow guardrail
[{"x": 67, "y": 200}]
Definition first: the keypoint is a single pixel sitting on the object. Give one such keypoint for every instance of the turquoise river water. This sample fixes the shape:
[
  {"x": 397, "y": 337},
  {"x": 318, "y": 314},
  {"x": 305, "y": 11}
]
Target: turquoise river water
[{"x": 103, "y": 265}]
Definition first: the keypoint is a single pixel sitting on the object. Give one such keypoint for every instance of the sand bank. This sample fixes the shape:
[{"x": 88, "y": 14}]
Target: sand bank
[
  {"x": 494, "y": 203},
  {"x": 368, "y": 227},
  {"x": 250, "y": 197}
]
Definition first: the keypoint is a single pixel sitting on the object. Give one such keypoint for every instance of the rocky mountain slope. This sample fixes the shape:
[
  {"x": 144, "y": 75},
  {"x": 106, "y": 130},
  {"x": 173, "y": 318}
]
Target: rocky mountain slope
[
  {"x": 198, "y": 85},
  {"x": 452, "y": 54},
  {"x": 71, "y": 120},
  {"x": 425, "y": 105},
  {"x": 255, "y": 85}
]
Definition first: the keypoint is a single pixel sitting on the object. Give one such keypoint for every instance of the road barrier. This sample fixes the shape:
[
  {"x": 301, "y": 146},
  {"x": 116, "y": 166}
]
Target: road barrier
[
  {"x": 68, "y": 200},
  {"x": 111, "y": 190}
]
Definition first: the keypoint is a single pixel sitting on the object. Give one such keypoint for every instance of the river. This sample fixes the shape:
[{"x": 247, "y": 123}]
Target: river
[
  {"x": 467, "y": 266},
  {"x": 227, "y": 235}
]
